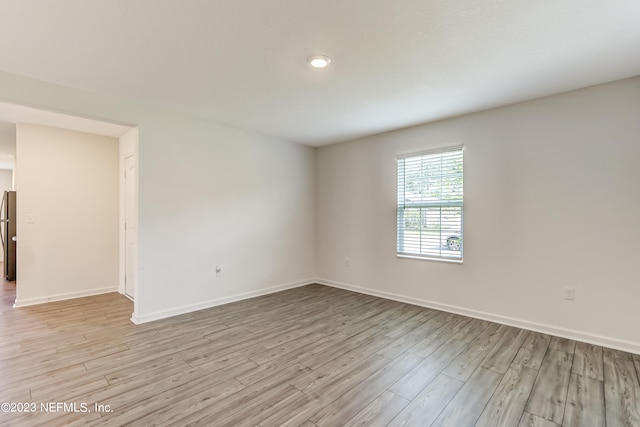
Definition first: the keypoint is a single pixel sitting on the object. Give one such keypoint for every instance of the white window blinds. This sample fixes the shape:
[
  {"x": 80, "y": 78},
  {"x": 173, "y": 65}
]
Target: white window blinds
[{"x": 430, "y": 204}]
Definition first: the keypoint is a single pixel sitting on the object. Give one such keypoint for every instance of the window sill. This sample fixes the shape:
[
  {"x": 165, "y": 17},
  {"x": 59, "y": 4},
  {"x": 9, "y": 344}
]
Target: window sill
[{"x": 424, "y": 258}]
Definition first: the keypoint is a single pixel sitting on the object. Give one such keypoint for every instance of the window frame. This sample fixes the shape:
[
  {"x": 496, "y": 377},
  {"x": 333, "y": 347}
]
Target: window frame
[{"x": 401, "y": 207}]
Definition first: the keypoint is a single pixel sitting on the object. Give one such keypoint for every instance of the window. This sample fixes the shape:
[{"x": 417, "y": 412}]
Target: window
[{"x": 430, "y": 204}]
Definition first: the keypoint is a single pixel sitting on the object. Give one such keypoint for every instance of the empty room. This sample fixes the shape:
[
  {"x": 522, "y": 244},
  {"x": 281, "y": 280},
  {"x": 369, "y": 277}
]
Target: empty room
[{"x": 337, "y": 213}]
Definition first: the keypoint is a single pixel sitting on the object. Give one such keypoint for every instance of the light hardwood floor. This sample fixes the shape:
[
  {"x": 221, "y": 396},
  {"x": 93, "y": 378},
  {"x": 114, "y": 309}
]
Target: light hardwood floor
[{"x": 311, "y": 356}]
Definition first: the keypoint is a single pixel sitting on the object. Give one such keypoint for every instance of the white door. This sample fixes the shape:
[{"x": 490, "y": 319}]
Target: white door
[{"x": 130, "y": 225}]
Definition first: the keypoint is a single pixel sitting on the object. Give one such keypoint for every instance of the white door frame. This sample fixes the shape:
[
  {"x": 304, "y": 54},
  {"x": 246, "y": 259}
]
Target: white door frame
[
  {"x": 128, "y": 149},
  {"x": 130, "y": 226}
]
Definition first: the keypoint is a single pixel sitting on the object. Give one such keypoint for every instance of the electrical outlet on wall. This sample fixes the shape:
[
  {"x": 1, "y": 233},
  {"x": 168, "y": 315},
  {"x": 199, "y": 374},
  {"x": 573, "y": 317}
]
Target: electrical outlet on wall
[
  {"x": 218, "y": 270},
  {"x": 569, "y": 294},
  {"x": 347, "y": 262}
]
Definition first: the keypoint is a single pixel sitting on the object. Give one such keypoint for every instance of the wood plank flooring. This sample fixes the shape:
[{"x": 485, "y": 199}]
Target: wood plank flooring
[{"x": 313, "y": 356}]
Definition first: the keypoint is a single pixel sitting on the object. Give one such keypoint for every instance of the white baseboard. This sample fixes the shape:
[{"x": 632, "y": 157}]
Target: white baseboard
[
  {"x": 628, "y": 346},
  {"x": 163, "y": 314},
  {"x": 62, "y": 297}
]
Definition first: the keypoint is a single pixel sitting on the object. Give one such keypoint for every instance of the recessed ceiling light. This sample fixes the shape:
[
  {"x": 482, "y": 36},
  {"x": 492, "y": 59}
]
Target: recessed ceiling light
[{"x": 319, "y": 61}]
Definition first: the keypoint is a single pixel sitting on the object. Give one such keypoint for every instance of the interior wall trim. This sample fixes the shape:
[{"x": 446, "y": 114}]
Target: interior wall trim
[
  {"x": 65, "y": 296},
  {"x": 163, "y": 314},
  {"x": 628, "y": 346}
]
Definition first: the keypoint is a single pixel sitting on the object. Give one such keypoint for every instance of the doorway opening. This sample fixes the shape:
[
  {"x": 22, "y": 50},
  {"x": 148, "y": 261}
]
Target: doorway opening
[{"x": 41, "y": 216}]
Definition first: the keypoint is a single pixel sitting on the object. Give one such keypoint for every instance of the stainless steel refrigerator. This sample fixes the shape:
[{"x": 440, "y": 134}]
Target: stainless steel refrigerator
[{"x": 8, "y": 233}]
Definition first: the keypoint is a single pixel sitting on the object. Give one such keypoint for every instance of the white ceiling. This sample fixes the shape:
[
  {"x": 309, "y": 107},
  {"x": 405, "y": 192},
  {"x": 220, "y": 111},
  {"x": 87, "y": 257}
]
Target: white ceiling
[{"x": 395, "y": 63}]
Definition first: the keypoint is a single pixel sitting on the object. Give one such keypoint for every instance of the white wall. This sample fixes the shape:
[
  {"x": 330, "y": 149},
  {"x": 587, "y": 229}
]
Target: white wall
[
  {"x": 68, "y": 182},
  {"x": 219, "y": 196},
  {"x": 6, "y": 180},
  {"x": 208, "y": 194},
  {"x": 551, "y": 200},
  {"x": 7, "y": 141}
]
